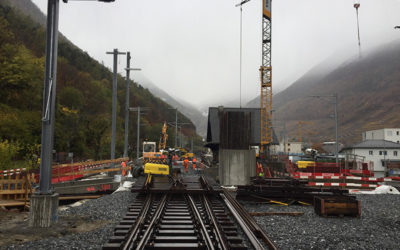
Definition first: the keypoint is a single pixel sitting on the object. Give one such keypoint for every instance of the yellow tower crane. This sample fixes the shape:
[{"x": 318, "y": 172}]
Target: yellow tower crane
[
  {"x": 163, "y": 138},
  {"x": 300, "y": 129},
  {"x": 265, "y": 76},
  {"x": 266, "y": 72}
]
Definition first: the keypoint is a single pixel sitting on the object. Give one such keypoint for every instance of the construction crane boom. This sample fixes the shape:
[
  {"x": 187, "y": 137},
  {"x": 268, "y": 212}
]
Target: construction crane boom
[{"x": 266, "y": 76}]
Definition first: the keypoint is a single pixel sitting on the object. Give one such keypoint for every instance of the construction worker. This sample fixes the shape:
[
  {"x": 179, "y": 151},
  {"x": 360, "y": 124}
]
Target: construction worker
[
  {"x": 123, "y": 168},
  {"x": 260, "y": 170},
  {"x": 194, "y": 164},
  {"x": 186, "y": 164}
]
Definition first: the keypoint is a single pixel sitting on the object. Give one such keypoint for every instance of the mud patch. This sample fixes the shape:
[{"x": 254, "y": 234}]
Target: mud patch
[{"x": 14, "y": 227}]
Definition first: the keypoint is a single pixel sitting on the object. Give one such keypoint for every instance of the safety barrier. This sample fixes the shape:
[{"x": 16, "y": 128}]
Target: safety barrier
[
  {"x": 69, "y": 172},
  {"x": 12, "y": 171},
  {"x": 15, "y": 190}
]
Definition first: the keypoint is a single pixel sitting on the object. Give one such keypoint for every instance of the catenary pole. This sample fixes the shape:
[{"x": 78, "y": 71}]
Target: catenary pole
[
  {"x": 176, "y": 127},
  {"x": 138, "y": 133},
  {"x": 128, "y": 65},
  {"x": 115, "y": 53},
  {"x": 336, "y": 129},
  {"x": 128, "y": 69},
  {"x": 49, "y": 97}
]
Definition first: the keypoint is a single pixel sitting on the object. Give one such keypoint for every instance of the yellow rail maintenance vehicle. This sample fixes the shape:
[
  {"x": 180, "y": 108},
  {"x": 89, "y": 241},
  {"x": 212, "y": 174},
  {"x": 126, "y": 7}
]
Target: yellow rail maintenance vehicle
[{"x": 155, "y": 169}]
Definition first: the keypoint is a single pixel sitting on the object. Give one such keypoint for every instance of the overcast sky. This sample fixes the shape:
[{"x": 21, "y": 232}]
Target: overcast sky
[{"x": 190, "y": 48}]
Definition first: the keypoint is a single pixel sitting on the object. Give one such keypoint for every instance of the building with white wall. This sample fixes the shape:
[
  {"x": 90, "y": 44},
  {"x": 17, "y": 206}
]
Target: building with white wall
[
  {"x": 388, "y": 134},
  {"x": 289, "y": 148},
  {"x": 380, "y": 152}
]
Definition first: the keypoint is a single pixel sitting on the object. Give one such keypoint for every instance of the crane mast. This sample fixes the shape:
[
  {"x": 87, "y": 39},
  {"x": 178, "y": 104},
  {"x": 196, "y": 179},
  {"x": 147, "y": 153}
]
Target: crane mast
[
  {"x": 163, "y": 137},
  {"x": 266, "y": 77}
]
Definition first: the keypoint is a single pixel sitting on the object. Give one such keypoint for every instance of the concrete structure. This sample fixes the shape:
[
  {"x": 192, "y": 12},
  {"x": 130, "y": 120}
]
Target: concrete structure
[
  {"x": 380, "y": 152},
  {"x": 388, "y": 134},
  {"x": 236, "y": 166},
  {"x": 231, "y": 133},
  {"x": 43, "y": 210}
]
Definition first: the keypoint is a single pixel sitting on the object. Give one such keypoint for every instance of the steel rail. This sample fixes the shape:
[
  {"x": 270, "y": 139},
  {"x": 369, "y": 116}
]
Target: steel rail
[
  {"x": 156, "y": 216},
  {"x": 250, "y": 235},
  {"x": 135, "y": 231},
  {"x": 222, "y": 240},
  {"x": 200, "y": 220},
  {"x": 254, "y": 227}
]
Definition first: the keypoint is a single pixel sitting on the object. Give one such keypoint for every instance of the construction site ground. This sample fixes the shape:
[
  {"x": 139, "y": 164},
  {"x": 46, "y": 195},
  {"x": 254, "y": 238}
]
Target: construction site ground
[
  {"x": 14, "y": 227},
  {"x": 91, "y": 224}
]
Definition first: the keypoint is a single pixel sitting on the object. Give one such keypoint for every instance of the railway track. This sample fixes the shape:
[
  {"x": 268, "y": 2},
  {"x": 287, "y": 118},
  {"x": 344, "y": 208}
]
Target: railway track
[{"x": 187, "y": 220}]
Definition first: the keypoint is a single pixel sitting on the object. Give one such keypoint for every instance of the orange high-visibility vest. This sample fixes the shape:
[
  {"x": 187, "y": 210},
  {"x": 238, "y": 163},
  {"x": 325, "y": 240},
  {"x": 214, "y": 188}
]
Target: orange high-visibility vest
[
  {"x": 186, "y": 163},
  {"x": 194, "y": 163},
  {"x": 123, "y": 168}
]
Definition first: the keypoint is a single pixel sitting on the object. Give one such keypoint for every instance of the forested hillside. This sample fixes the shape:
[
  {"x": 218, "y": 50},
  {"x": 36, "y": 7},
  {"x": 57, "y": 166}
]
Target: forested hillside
[{"x": 83, "y": 115}]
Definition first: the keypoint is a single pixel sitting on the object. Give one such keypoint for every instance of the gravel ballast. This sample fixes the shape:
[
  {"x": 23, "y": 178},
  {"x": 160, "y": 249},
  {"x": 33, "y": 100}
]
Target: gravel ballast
[
  {"x": 108, "y": 209},
  {"x": 378, "y": 227}
]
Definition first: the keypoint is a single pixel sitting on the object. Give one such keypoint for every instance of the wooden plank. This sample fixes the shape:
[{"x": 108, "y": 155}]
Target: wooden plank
[
  {"x": 61, "y": 198},
  {"x": 79, "y": 197},
  {"x": 11, "y": 203},
  {"x": 12, "y": 181},
  {"x": 12, "y": 192}
]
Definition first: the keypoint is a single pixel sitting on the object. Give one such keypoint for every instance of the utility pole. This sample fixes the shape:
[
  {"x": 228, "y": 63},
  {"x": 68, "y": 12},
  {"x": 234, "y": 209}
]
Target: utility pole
[
  {"x": 181, "y": 137},
  {"x": 176, "y": 127},
  {"x": 49, "y": 98},
  {"x": 336, "y": 129},
  {"x": 115, "y": 53},
  {"x": 138, "y": 134},
  {"x": 181, "y": 126},
  {"x": 128, "y": 69},
  {"x": 335, "y": 96},
  {"x": 44, "y": 202},
  {"x": 139, "y": 110}
]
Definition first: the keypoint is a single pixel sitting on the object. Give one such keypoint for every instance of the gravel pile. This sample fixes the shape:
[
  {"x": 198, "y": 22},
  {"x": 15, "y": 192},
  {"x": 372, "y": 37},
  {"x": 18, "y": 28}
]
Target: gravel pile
[
  {"x": 108, "y": 208},
  {"x": 378, "y": 227}
]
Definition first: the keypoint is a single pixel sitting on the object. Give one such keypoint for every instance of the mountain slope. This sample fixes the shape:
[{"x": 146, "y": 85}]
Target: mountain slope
[
  {"x": 84, "y": 87},
  {"x": 368, "y": 97},
  {"x": 185, "y": 108}
]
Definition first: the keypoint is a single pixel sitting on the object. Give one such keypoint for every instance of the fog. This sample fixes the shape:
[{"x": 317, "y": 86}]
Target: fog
[{"x": 190, "y": 48}]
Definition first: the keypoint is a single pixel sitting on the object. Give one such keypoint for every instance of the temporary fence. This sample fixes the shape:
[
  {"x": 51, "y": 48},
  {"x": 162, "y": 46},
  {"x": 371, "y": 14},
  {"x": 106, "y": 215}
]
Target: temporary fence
[
  {"x": 15, "y": 189},
  {"x": 12, "y": 171},
  {"x": 69, "y": 172}
]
